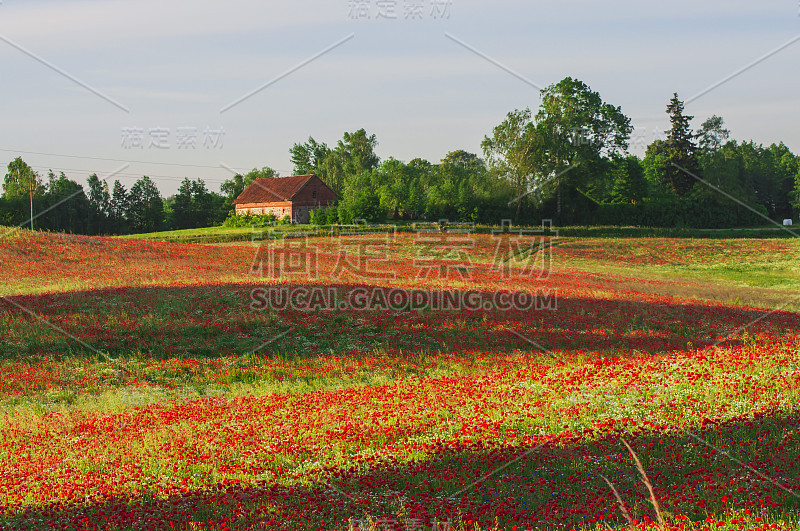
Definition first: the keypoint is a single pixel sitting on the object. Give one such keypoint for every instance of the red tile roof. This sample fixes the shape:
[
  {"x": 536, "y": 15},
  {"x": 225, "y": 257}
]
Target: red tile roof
[{"x": 270, "y": 190}]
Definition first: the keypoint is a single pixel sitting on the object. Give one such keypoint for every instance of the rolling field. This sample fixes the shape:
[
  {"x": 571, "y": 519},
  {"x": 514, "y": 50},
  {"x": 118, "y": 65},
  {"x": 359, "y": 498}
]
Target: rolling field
[{"x": 405, "y": 382}]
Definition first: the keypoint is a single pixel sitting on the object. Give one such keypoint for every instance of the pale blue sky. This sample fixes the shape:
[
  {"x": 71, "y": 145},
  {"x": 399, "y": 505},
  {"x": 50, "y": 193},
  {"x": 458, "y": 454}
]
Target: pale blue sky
[{"x": 176, "y": 64}]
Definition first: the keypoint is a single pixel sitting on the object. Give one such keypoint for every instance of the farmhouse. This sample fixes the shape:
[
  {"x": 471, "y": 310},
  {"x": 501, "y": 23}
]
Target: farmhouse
[{"x": 295, "y": 196}]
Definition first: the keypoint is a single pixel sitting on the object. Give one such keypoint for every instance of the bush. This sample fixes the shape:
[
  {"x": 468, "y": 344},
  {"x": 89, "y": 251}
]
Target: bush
[
  {"x": 366, "y": 206},
  {"x": 345, "y": 215},
  {"x": 248, "y": 220},
  {"x": 677, "y": 213},
  {"x": 331, "y": 215},
  {"x": 324, "y": 216}
]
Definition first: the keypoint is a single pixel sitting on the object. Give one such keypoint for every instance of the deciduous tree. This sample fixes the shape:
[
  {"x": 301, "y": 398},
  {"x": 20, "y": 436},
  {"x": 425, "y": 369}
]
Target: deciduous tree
[{"x": 21, "y": 181}]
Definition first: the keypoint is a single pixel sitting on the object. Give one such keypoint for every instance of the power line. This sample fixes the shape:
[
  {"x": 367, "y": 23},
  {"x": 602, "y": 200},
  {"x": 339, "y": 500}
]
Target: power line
[
  {"x": 114, "y": 160},
  {"x": 125, "y": 174},
  {"x": 243, "y": 170},
  {"x": 122, "y": 174}
]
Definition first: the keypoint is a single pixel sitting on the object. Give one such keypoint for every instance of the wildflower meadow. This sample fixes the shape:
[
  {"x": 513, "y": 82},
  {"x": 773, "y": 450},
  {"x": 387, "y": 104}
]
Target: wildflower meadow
[{"x": 399, "y": 381}]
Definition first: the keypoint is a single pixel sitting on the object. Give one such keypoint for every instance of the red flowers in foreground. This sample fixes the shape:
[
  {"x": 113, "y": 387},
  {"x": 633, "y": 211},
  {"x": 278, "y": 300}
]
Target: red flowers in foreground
[{"x": 181, "y": 407}]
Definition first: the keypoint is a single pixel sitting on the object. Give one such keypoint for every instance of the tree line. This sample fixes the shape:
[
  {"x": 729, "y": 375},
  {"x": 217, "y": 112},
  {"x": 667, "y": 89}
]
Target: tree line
[
  {"x": 61, "y": 204},
  {"x": 569, "y": 162}
]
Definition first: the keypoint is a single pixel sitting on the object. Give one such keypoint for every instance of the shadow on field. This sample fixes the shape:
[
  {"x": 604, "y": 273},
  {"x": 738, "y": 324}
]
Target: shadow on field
[
  {"x": 551, "y": 484},
  {"x": 301, "y": 320}
]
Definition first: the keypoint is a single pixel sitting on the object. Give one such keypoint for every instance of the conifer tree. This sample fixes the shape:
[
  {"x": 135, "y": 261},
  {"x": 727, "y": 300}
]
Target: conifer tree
[{"x": 681, "y": 151}]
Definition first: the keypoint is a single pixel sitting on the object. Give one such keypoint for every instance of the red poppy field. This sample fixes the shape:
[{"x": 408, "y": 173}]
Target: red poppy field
[{"x": 464, "y": 382}]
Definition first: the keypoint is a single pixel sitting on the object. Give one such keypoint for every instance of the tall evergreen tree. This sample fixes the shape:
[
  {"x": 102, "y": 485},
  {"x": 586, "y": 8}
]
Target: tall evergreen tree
[
  {"x": 681, "y": 150},
  {"x": 99, "y": 205},
  {"x": 182, "y": 212},
  {"x": 118, "y": 209},
  {"x": 201, "y": 204}
]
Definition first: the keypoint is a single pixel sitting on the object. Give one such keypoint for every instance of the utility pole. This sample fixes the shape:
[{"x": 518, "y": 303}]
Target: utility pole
[{"x": 30, "y": 195}]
